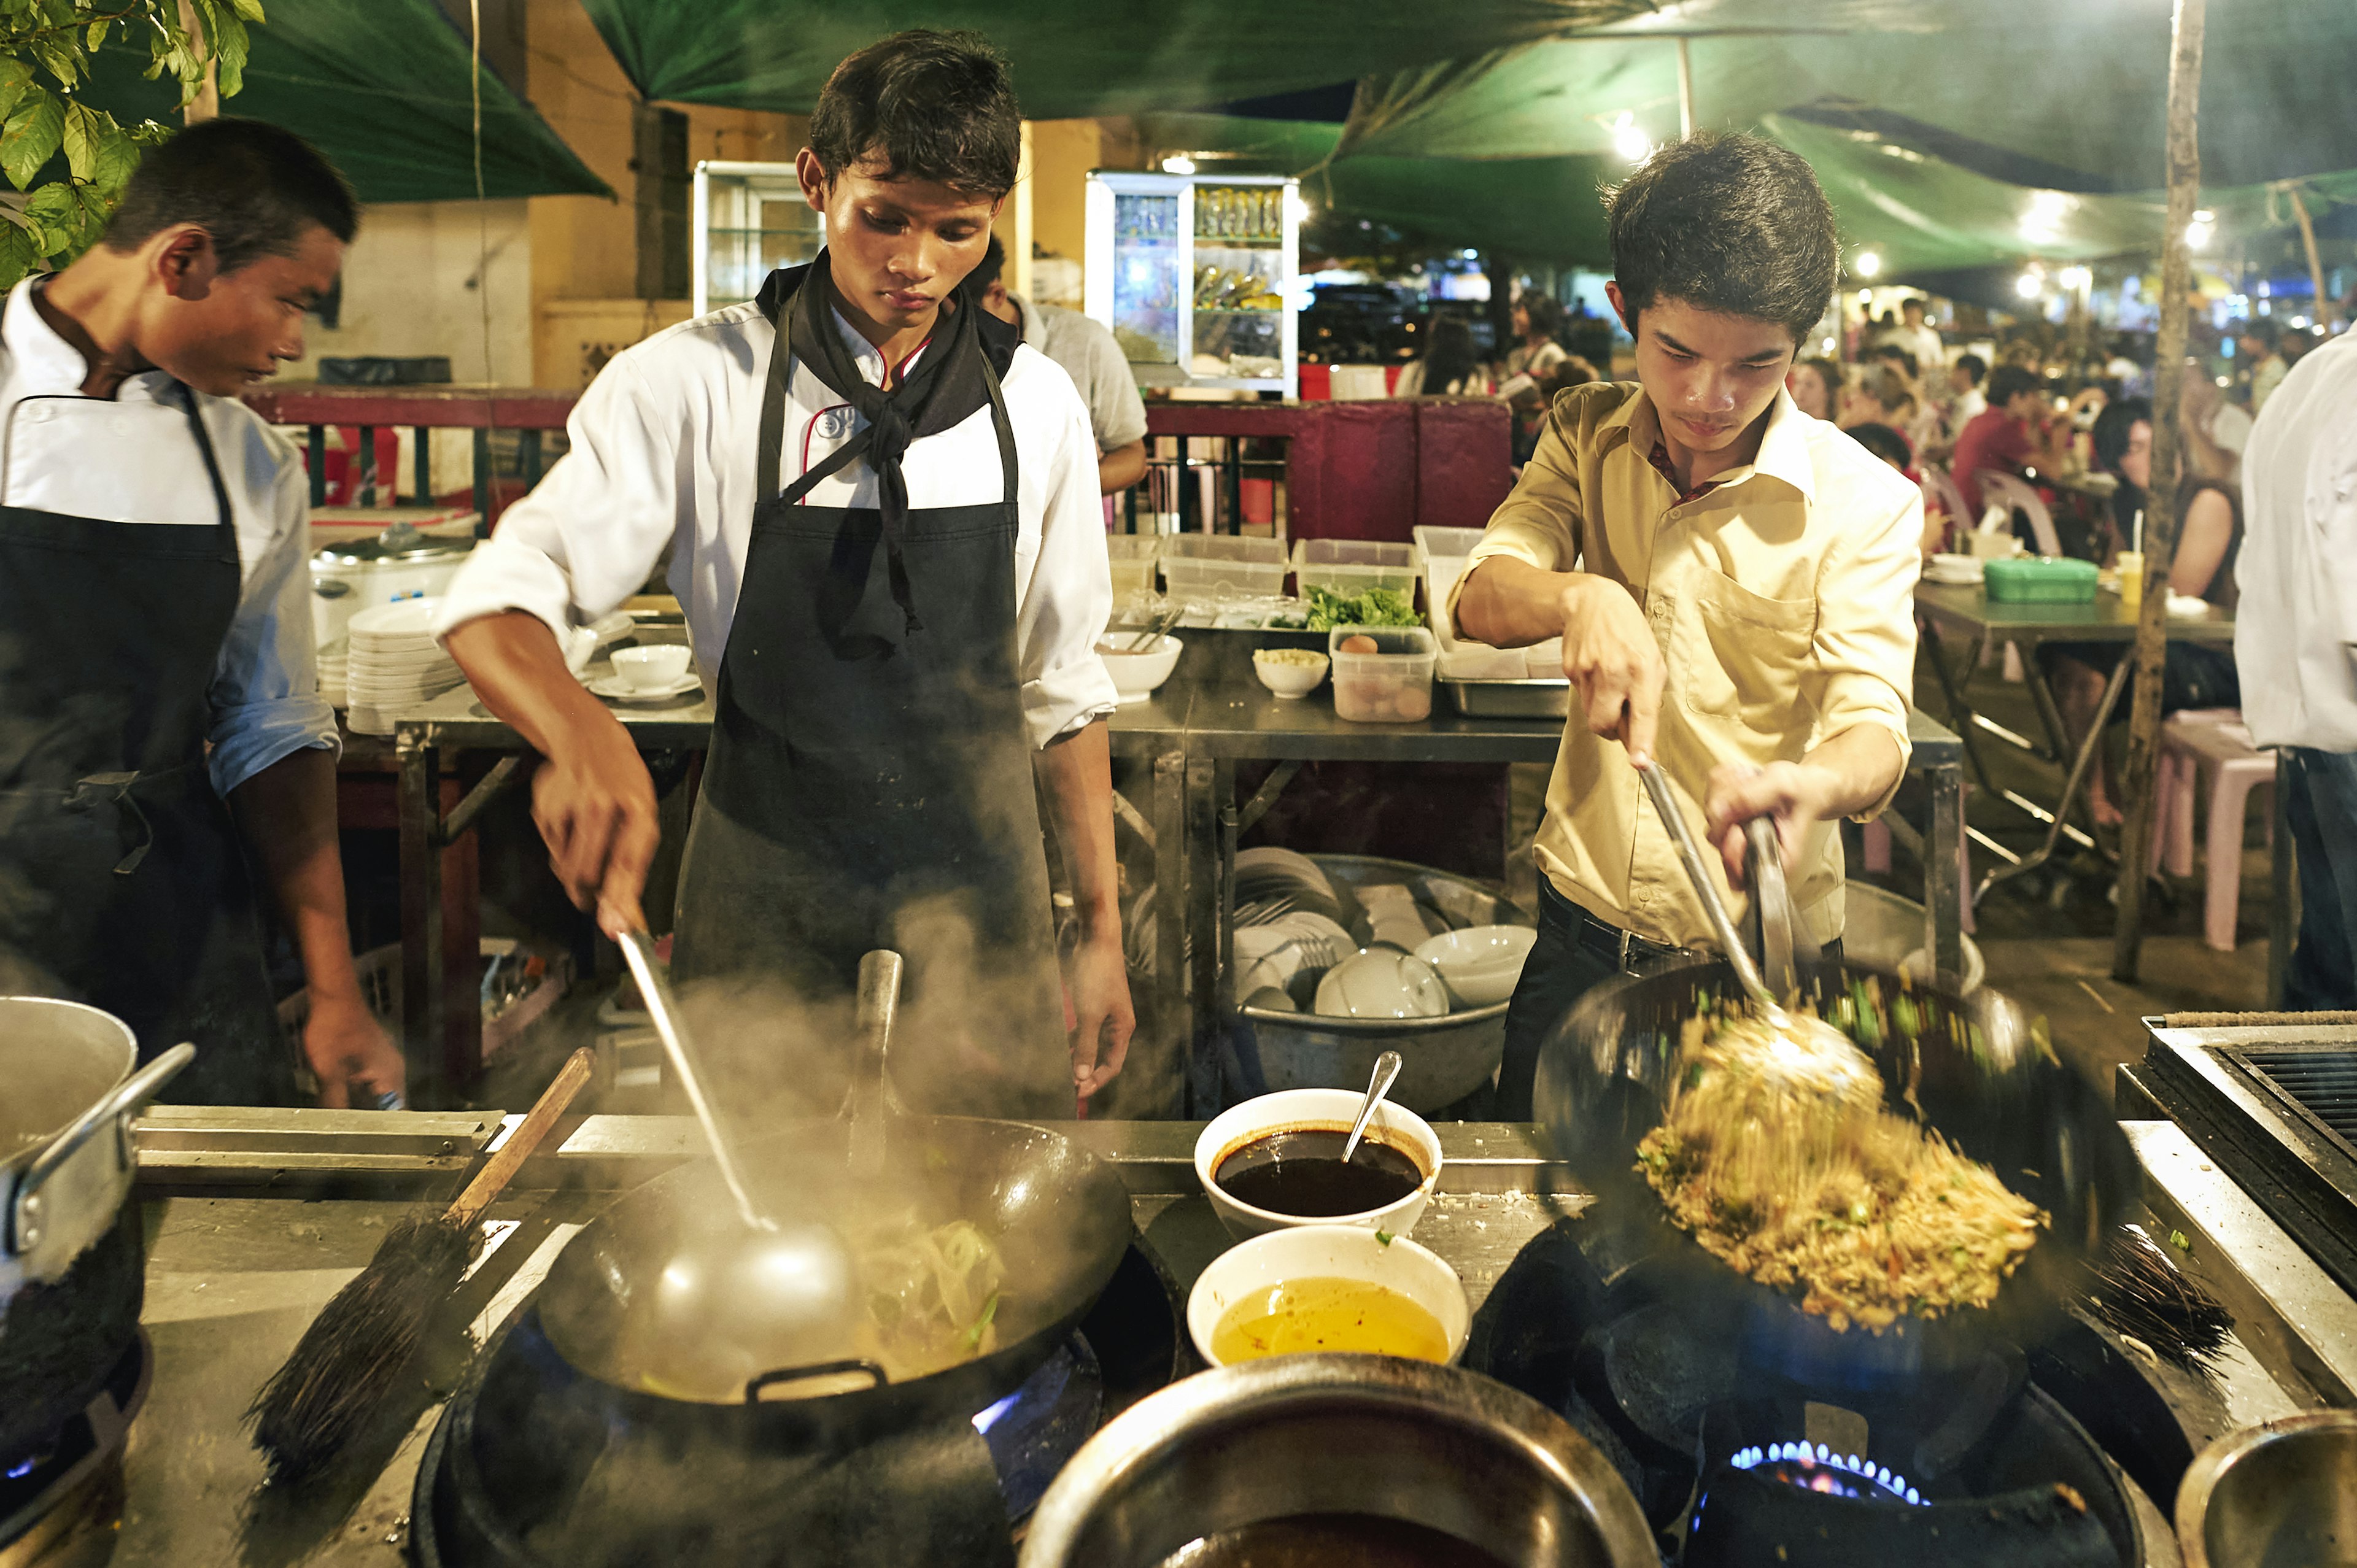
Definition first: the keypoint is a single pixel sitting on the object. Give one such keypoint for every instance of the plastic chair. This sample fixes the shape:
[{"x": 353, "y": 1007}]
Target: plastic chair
[
  {"x": 1939, "y": 488},
  {"x": 2211, "y": 741},
  {"x": 2012, "y": 491}
]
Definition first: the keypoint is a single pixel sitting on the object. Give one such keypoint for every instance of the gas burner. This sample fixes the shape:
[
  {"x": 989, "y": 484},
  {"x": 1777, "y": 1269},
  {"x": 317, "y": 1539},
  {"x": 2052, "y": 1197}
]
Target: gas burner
[
  {"x": 51, "y": 1488},
  {"x": 1813, "y": 1468},
  {"x": 505, "y": 1485}
]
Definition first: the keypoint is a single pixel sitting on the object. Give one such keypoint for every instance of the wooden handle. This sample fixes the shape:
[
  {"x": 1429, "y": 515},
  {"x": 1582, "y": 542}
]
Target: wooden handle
[{"x": 502, "y": 1167}]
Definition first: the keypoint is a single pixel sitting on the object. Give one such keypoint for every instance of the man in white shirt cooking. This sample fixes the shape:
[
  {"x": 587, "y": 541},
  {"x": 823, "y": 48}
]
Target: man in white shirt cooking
[
  {"x": 157, "y": 697},
  {"x": 885, "y": 526}
]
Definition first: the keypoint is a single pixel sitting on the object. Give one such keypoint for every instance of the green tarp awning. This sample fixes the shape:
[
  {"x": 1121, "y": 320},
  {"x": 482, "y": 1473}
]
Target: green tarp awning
[{"x": 381, "y": 89}]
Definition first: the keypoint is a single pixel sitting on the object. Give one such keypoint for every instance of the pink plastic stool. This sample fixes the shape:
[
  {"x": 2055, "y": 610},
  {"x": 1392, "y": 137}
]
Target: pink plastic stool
[{"x": 2211, "y": 741}]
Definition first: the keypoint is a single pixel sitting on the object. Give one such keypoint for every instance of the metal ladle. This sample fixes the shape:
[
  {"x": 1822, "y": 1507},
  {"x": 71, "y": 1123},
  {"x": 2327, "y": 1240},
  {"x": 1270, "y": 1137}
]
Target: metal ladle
[
  {"x": 757, "y": 1293},
  {"x": 1387, "y": 1069},
  {"x": 1812, "y": 1052}
]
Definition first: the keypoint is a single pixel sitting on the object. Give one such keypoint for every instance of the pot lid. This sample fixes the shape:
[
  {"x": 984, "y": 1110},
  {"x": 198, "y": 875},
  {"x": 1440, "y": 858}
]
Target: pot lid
[{"x": 401, "y": 541}]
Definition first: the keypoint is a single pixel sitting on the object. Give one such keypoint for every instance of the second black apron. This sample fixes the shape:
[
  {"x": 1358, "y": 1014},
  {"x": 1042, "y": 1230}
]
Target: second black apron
[
  {"x": 122, "y": 883},
  {"x": 869, "y": 784}
]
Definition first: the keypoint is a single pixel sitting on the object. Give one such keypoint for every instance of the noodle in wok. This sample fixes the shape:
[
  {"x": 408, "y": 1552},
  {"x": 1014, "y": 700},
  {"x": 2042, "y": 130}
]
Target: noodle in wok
[
  {"x": 932, "y": 1298},
  {"x": 1870, "y": 1214}
]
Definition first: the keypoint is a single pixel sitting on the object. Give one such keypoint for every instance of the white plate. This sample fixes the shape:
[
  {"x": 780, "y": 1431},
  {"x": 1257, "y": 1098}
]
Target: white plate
[
  {"x": 404, "y": 617},
  {"x": 620, "y": 691}
]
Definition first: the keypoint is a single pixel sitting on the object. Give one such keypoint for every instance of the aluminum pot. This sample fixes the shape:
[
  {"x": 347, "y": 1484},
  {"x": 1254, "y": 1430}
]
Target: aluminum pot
[
  {"x": 1290, "y": 1435},
  {"x": 71, "y": 1260},
  {"x": 2279, "y": 1493}
]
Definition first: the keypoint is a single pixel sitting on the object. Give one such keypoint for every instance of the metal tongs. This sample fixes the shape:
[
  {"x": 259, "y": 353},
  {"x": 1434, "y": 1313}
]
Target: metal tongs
[{"x": 1808, "y": 1050}]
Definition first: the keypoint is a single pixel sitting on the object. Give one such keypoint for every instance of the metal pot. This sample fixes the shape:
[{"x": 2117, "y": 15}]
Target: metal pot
[
  {"x": 1290, "y": 1435},
  {"x": 1977, "y": 1068},
  {"x": 2281, "y": 1492},
  {"x": 70, "y": 1250}
]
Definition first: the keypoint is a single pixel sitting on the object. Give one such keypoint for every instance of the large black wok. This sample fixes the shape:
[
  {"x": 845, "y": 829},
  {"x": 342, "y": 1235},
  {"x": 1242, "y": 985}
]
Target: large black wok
[
  {"x": 1058, "y": 1215},
  {"x": 1977, "y": 1068}
]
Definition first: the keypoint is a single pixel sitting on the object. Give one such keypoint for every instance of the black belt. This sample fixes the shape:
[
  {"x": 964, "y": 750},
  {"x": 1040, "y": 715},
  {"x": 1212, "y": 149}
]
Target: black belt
[{"x": 1629, "y": 953}]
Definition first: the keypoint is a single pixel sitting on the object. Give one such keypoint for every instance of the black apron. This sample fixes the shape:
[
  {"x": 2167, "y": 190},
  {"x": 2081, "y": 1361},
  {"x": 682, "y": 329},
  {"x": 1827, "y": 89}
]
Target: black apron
[
  {"x": 869, "y": 784},
  {"x": 122, "y": 880}
]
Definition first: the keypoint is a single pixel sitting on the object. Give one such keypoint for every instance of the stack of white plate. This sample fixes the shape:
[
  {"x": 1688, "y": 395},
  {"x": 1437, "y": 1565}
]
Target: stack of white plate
[
  {"x": 335, "y": 665},
  {"x": 395, "y": 663}
]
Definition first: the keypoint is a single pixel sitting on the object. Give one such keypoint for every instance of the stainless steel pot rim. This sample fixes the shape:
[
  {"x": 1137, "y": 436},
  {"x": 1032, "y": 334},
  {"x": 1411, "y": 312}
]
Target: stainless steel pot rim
[
  {"x": 114, "y": 1025},
  {"x": 1377, "y": 1028},
  {"x": 2211, "y": 1464},
  {"x": 1225, "y": 1396}
]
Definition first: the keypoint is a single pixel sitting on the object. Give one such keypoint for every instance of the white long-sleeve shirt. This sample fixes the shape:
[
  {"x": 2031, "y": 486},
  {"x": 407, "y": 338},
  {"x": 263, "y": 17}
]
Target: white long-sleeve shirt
[
  {"x": 664, "y": 449},
  {"x": 2296, "y": 616},
  {"x": 132, "y": 459}
]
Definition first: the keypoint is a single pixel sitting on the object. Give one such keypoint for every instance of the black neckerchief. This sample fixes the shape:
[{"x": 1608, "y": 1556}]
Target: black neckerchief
[{"x": 951, "y": 380}]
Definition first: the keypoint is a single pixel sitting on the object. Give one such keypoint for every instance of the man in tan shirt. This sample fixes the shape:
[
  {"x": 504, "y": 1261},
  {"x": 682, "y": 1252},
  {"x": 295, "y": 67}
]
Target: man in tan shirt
[{"x": 1733, "y": 582}]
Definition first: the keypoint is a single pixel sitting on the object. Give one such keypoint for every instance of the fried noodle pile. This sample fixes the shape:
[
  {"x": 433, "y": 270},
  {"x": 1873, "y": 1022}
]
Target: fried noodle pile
[{"x": 1871, "y": 1214}]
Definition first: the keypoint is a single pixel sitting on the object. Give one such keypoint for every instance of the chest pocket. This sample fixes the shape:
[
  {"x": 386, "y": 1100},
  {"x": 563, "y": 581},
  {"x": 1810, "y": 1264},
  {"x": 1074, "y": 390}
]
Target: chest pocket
[{"x": 1741, "y": 655}]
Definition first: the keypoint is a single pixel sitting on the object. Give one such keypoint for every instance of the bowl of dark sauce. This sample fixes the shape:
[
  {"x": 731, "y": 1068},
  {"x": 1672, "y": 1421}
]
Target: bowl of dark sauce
[{"x": 1276, "y": 1161}]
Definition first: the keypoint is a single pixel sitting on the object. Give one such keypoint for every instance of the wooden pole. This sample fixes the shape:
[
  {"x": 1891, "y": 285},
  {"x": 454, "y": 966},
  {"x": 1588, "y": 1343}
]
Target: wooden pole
[
  {"x": 2168, "y": 459},
  {"x": 2323, "y": 313}
]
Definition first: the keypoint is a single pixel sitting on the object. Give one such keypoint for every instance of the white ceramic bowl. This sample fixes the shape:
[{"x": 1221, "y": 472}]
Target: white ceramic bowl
[
  {"x": 1314, "y": 1108},
  {"x": 1328, "y": 1251},
  {"x": 651, "y": 669},
  {"x": 1482, "y": 963},
  {"x": 1381, "y": 983},
  {"x": 1135, "y": 675},
  {"x": 1288, "y": 680}
]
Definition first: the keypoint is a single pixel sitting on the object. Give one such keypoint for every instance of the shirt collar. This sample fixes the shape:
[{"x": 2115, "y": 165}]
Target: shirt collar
[
  {"x": 44, "y": 364},
  {"x": 1783, "y": 443},
  {"x": 1035, "y": 325},
  {"x": 866, "y": 355}
]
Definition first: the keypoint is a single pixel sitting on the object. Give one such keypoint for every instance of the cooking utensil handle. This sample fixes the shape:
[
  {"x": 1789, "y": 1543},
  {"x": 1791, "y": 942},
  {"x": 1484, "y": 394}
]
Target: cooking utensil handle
[
  {"x": 879, "y": 1005},
  {"x": 654, "y": 989},
  {"x": 1722, "y": 924},
  {"x": 132, "y": 1094},
  {"x": 754, "y": 1386},
  {"x": 553, "y": 1102},
  {"x": 1771, "y": 902}
]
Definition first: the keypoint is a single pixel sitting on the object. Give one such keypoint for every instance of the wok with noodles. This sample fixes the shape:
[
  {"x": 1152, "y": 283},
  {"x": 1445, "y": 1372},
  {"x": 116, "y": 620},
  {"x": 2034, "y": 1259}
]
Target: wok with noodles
[
  {"x": 976, "y": 1253},
  {"x": 1958, "y": 1198},
  {"x": 1868, "y": 1213}
]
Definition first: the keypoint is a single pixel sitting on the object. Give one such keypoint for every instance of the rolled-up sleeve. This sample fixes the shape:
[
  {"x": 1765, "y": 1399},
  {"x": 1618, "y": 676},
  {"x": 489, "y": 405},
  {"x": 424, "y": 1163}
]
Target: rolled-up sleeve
[
  {"x": 1865, "y": 642},
  {"x": 1069, "y": 599},
  {"x": 589, "y": 534},
  {"x": 264, "y": 698},
  {"x": 1539, "y": 523}
]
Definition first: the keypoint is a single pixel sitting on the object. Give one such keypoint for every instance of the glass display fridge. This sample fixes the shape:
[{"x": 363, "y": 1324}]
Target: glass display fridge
[
  {"x": 748, "y": 220},
  {"x": 1194, "y": 274}
]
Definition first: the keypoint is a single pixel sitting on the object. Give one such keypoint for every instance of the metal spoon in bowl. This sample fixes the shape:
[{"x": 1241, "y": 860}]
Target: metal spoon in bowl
[
  {"x": 1808, "y": 1050},
  {"x": 1387, "y": 1069}
]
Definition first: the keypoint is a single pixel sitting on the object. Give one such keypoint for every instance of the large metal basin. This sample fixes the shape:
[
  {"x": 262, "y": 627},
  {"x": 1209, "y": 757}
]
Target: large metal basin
[
  {"x": 1443, "y": 1059},
  {"x": 1340, "y": 1434},
  {"x": 2274, "y": 1495}
]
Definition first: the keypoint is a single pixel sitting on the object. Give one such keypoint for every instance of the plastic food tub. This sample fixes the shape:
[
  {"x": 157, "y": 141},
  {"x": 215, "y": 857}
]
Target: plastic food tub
[
  {"x": 1133, "y": 556},
  {"x": 1441, "y": 554},
  {"x": 1390, "y": 685},
  {"x": 2041, "y": 581},
  {"x": 1212, "y": 566},
  {"x": 1352, "y": 566}
]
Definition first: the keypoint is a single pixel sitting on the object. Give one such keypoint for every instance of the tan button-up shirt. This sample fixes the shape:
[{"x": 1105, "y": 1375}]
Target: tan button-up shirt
[{"x": 1782, "y": 600}]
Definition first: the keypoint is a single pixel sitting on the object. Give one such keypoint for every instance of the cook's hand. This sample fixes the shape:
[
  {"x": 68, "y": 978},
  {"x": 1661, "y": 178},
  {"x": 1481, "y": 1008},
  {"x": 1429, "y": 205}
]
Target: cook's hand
[
  {"x": 1098, "y": 983},
  {"x": 345, "y": 1045},
  {"x": 595, "y": 808},
  {"x": 1613, "y": 664},
  {"x": 1791, "y": 792}
]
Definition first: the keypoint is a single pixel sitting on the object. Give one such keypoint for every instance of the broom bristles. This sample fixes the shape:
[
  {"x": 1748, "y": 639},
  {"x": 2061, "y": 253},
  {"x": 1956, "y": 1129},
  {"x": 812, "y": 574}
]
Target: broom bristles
[{"x": 356, "y": 1351}]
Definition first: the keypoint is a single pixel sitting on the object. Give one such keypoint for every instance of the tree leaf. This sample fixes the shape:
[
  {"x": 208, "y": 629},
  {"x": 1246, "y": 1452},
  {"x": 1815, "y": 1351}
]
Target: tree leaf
[
  {"x": 32, "y": 134},
  {"x": 20, "y": 254},
  {"x": 251, "y": 10},
  {"x": 15, "y": 76},
  {"x": 80, "y": 139},
  {"x": 56, "y": 54},
  {"x": 229, "y": 48},
  {"x": 113, "y": 158}
]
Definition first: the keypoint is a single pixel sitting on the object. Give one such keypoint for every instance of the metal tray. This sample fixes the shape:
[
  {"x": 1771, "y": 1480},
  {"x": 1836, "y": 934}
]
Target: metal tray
[{"x": 1510, "y": 699}]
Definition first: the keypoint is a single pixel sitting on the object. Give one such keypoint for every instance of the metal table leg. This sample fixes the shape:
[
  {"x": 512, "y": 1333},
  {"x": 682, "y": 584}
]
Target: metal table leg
[
  {"x": 2082, "y": 764},
  {"x": 432, "y": 1079},
  {"x": 1961, "y": 716},
  {"x": 1175, "y": 1040},
  {"x": 1943, "y": 927}
]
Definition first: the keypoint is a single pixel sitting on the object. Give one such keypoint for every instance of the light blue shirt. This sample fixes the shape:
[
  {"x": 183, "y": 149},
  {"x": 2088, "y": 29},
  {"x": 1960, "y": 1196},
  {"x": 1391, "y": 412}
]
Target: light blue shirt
[{"x": 132, "y": 459}]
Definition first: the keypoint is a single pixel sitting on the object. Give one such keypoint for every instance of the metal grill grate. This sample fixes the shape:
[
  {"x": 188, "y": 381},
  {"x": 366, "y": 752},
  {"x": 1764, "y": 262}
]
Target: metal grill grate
[{"x": 2323, "y": 1083}]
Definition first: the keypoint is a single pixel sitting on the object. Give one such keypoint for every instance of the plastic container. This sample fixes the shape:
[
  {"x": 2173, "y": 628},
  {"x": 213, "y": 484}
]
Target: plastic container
[
  {"x": 1441, "y": 554},
  {"x": 1133, "y": 556},
  {"x": 1210, "y": 567},
  {"x": 2041, "y": 581},
  {"x": 1390, "y": 685},
  {"x": 1352, "y": 566}
]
